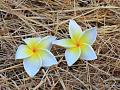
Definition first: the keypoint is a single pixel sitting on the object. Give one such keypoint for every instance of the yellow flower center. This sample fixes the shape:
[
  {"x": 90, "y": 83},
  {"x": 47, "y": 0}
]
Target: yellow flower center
[
  {"x": 34, "y": 50},
  {"x": 77, "y": 44}
]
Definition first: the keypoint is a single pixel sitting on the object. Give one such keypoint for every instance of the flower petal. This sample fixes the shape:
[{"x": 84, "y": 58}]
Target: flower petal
[
  {"x": 23, "y": 51},
  {"x": 47, "y": 57},
  {"x": 67, "y": 43},
  {"x": 72, "y": 54},
  {"x": 32, "y": 64},
  {"x": 74, "y": 30},
  {"x": 31, "y": 42},
  {"x": 89, "y": 36},
  {"x": 87, "y": 52},
  {"x": 45, "y": 43}
]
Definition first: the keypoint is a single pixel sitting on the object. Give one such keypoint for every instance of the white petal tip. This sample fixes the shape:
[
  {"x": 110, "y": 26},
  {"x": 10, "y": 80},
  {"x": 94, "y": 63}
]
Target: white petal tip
[
  {"x": 31, "y": 75},
  {"x": 18, "y": 52},
  {"x": 53, "y": 38},
  {"x": 71, "y": 20},
  {"x": 54, "y": 42},
  {"x": 69, "y": 64},
  {"x": 94, "y": 29},
  {"x": 25, "y": 39},
  {"x": 17, "y": 56},
  {"x": 93, "y": 58}
]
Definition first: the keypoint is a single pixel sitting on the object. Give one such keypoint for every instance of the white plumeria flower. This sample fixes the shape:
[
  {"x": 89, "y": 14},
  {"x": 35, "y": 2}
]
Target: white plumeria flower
[
  {"x": 36, "y": 54},
  {"x": 80, "y": 43}
]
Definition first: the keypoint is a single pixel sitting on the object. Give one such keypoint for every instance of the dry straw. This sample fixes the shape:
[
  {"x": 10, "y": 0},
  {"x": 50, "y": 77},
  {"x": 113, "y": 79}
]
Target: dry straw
[{"x": 21, "y": 19}]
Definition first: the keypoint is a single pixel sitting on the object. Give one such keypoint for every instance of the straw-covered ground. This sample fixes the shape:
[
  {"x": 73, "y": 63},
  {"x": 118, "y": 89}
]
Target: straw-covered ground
[{"x": 20, "y": 19}]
